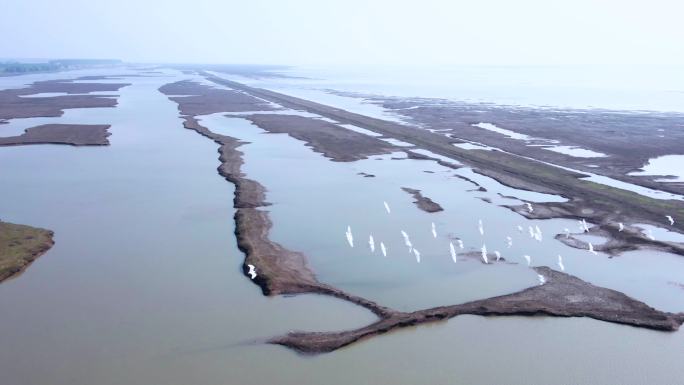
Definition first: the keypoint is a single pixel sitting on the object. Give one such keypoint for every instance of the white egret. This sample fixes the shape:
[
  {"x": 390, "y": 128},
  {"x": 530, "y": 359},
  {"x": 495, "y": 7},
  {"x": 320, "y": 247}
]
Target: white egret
[
  {"x": 537, "y": 233},
  {"x": 434, "y": 230},
  {"x": 520, "y": 229},
  {"x": 387, "y": 208},
  {"x": 669, "y": 218},
  {"x": 498, "y": 255},
  {"x": 452, "y": 249},
  {"x": 484, "y": 254},
  {"x": 621, "y": 226},
  {"x": 350, "y": 237},
  {"x": 509, "y": 240},
  {"x": 560, "y": 263},
  {"x": 384, "y": 250},
  {"x": 407, "y": 241},
  {"x": 252, "y": 271},
  {"x": 417, "y": 254},
  {"x": 371, "y": 243},
  {"x": 541, "y": 279},
  {"x": 460, "y": 244},
  {"x": 529, "y": 206},
  {"x": 528, "y": 259},
  {"x": 480, "y": 227},
  {"x": 591, "y": 249},
  {"x": 567, "y": 232}
]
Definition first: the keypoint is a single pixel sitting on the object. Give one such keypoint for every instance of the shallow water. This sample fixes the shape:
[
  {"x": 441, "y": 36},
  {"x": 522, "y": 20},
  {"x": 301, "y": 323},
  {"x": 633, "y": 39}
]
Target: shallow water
[
  {"x": 145, "y": 272},
  {"x": 667, "y": 165},
  {"x": 144, "y": 283},
  {"x": 661, "y": 233},
  {"x": 567, "y": 150},
  {"x": 503, "y": 131},
  {"x": 553, "y": 87},
  {"x": 575, "y": 151},
  {"x": 16, "y": 127},
  {"x": 397, "y": 142},
  {"x": 594, "y": 239},
  {"x": 596, "y": 178},
  {"x": 472, "y": 146},
  {"x": 306, "y": 219},
  {"x": 360, "y": 130},
  {"x": 21, "y": 81},
  {"x": 298, "y": 88},
  {"x": 431, "y": 154}
]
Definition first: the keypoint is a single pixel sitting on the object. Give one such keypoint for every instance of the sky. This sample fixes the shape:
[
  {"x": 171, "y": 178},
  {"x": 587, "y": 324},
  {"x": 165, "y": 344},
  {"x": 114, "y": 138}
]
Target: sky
[{"x": 348, "y": 32}]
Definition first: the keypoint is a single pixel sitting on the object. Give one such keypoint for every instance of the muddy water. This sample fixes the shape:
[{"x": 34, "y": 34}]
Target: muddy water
[
  {"x": 144, "y": 277},
  {"x": 143, "y": 285}
]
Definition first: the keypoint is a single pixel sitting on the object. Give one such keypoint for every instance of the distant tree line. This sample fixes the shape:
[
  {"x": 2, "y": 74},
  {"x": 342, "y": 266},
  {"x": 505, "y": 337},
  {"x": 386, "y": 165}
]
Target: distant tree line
[{"x": 13, "y": 67}]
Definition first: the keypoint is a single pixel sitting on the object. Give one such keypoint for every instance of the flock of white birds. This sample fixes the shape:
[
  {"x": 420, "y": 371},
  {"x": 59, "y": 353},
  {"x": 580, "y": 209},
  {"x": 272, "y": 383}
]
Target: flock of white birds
[{"x": 534, "y": 231}]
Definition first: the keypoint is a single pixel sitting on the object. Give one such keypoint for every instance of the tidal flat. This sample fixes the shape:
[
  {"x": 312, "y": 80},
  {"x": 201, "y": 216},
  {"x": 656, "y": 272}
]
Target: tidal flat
[{"x": 206, "y": 177}]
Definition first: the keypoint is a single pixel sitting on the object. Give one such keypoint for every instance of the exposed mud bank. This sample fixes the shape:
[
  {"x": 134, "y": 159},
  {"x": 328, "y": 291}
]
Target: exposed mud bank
[
  {"x": 424, "y": 203},
  {"x": 283, "y": 271},
  {"x": 562, "y": 295},
  {"x": 72, "y": 134},
  {"x": 14, "y": 104}
]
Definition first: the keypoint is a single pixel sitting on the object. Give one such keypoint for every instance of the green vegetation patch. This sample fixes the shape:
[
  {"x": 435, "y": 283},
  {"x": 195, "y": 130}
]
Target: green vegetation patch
[{"x": 19, "y": 246}]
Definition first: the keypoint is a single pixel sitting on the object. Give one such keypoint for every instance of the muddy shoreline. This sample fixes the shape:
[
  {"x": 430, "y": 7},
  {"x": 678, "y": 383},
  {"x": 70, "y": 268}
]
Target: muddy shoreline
[{"x": 283, "y": 271}]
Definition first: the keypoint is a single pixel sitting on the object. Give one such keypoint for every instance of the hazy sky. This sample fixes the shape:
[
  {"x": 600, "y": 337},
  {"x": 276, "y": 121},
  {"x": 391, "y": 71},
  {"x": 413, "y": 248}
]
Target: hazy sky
[{"x": 421, "y": 32}]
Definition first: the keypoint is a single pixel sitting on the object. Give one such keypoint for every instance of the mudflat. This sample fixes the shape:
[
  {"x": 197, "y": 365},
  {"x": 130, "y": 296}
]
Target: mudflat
[
  {"x": 72, "y": 134},
  {"x": 598, "y": 203},
  {"x": 18, "y": 104},
  {"x": 14, "y": 103},
  {"x": 283, "y": 271},
  {"x": 333, "y": 141},
  {"x": 627, "y": 138}
]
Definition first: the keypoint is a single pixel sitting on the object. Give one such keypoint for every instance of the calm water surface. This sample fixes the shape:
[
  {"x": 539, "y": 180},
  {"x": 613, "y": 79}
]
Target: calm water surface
[{"x": 143, "y": 285}]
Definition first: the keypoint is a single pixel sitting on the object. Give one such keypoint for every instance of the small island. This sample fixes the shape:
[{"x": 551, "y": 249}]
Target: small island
[{"x": 20, "y": 245}]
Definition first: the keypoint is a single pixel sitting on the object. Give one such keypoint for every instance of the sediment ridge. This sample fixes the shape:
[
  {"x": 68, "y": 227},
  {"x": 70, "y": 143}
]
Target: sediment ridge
[{"x": 282, "y": 271}]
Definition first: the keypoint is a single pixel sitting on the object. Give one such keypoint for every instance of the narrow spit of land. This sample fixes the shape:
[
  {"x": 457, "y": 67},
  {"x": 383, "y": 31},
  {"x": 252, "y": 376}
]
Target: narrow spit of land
[
  {"x": 562, "y": 295},
  {"x": 20, "y": 245},
  {"x": 283, "y": 271}
]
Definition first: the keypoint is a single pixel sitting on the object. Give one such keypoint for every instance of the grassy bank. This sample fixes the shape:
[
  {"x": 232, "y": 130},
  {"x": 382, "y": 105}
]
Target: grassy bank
[{"x": 19, "y": 246}]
